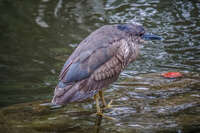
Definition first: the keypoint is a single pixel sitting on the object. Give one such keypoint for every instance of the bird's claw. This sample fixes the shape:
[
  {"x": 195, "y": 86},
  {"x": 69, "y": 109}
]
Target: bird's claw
[
  {"x": 108, "y": 106},
  {"x": 104, "y": 116}
]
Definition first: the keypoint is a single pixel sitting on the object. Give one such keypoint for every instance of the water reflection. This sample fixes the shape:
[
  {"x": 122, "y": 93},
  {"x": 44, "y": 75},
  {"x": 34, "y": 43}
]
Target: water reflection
[
  {"x": 97, "y": 126},
  {"x": 57, "y": 8},
  {"x": 40, "y": 17}
]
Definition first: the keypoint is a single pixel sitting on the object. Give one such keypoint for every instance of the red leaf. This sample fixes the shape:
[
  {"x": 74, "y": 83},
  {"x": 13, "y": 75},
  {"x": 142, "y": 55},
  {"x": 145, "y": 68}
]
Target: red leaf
[{"x": 172, "y": 74}]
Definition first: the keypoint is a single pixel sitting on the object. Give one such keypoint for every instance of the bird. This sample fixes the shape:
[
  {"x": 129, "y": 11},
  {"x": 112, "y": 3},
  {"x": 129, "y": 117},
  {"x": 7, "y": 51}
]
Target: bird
[{"x": 98, "y": 61}]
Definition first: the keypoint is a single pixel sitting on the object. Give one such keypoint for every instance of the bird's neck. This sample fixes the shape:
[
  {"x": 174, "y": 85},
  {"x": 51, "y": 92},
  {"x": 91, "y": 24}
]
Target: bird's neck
[{"x": 134, "y": 49}]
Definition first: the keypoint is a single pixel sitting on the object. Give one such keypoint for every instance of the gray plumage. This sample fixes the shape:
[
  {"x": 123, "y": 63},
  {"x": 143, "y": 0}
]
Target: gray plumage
[{"x": 98, "y": 61}]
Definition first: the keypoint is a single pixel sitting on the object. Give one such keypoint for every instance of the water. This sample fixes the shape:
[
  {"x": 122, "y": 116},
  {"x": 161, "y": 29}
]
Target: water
[{"x": 36, "y": 37}]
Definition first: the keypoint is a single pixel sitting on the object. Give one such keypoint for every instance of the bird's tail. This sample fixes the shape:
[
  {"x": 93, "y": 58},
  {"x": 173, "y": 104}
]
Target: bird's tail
[{"x": 72, "y": 92}]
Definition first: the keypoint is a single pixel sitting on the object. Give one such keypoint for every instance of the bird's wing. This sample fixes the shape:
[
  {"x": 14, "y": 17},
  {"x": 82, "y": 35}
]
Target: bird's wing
[
  {"x": 101, "y": 76},
  {"x": 86, "y": 63},
  {"x": 114, "y": 65},
  {"x": 110, "y": 69}
]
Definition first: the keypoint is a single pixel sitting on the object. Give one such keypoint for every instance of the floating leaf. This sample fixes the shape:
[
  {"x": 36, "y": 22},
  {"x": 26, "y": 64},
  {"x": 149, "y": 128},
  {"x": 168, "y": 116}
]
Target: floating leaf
[{"x": 172, "y": 74}]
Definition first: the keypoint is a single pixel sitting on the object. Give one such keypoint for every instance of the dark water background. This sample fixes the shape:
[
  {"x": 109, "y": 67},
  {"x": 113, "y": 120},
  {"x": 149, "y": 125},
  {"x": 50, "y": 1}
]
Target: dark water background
[{"x": 37, "y": 36}]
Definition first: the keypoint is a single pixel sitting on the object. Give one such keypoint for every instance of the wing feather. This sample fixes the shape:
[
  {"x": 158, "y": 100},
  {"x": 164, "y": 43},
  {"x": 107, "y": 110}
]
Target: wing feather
[
  {"x": 111, "y": 68},
  {"x": 85, "y": 64}
]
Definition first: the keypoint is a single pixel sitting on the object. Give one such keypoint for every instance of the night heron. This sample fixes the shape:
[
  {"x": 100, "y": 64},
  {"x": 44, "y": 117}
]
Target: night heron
[{"x": 98, "y": 61}]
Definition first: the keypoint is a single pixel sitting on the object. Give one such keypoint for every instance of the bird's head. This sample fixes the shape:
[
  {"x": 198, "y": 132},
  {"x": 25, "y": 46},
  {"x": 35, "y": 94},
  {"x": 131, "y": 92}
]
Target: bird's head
[{"x": 137, "y": 31}]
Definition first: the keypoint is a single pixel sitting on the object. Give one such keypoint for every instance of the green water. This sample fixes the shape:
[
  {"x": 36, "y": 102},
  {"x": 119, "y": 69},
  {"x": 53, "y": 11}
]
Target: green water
[{"x": 37, "y": 36}]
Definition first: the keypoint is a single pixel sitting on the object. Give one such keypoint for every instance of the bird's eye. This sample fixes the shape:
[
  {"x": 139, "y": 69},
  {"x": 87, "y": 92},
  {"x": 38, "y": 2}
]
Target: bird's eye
[{"x": 139, "y": 34}]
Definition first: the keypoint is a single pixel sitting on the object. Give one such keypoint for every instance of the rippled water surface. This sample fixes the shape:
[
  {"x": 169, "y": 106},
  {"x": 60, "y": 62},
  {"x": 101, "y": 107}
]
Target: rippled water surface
[{"x": 36, "y": 37}]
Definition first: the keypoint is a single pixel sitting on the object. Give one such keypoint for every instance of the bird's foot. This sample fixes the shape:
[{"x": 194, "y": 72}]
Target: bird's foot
[
  {"x": 104, "y": 116},
  {"x": 108, "y": 106}
]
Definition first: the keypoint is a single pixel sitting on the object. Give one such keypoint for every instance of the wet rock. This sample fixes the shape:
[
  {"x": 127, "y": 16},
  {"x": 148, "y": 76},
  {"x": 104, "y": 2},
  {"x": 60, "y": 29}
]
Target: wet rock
[{"x": 144, "y": 103}]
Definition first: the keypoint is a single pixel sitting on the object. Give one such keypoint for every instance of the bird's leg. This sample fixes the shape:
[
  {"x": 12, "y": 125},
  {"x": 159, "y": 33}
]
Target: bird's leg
[
  {"x": 99, "y": 112},
  {"x": 96, "y": 97},
  {"x": 103, "y": 100}
]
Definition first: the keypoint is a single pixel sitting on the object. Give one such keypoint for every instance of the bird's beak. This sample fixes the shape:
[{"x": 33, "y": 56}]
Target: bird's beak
[{"x": 148, "y": 37}]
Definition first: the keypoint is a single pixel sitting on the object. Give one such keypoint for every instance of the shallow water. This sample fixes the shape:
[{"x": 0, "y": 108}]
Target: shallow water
[{"x": 36, "y": 37}]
